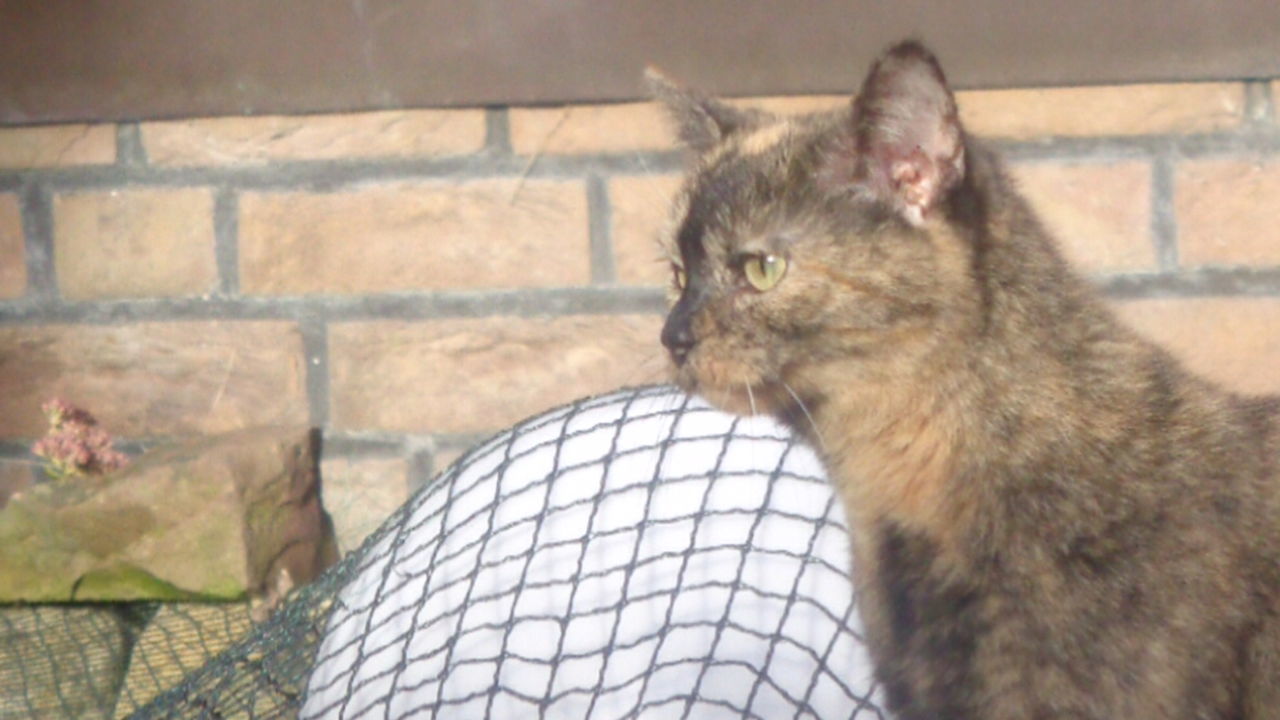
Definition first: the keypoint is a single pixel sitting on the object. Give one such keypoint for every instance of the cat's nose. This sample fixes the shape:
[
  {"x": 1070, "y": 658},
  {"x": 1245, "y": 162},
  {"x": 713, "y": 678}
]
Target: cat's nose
[{"x": 677, "y": 336}]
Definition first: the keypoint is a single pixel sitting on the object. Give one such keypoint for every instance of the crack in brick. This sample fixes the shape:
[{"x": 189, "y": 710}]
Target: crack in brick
[{"x": 70, "y": 144}]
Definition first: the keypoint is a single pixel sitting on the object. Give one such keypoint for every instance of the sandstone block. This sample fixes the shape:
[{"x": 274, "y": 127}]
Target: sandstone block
[{"x": 218, "y": 518}]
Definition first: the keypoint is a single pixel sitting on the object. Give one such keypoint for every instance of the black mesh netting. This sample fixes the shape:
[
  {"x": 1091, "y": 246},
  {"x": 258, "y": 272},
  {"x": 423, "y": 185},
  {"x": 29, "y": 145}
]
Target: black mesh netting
[{"x": 636, "y": 554}]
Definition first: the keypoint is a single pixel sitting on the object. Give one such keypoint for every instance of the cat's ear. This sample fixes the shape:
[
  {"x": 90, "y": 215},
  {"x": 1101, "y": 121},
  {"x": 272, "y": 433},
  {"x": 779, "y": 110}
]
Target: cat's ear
[
  {"x": 906, "y": 132},
  {"x": 701, "y": 122}
]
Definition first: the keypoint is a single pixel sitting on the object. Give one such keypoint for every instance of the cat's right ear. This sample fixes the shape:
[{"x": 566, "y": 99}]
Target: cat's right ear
[
  {"x": 906, "y": 145},
  {"x": 701, "y": 122}
]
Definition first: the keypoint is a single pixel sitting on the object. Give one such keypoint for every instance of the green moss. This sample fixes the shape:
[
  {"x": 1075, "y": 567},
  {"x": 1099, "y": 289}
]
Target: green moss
[{"x": 124, "y": 581}]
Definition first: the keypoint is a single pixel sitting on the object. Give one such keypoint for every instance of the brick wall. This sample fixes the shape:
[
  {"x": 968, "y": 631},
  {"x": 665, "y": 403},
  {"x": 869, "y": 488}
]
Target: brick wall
[{"x": 411, "y": 281}]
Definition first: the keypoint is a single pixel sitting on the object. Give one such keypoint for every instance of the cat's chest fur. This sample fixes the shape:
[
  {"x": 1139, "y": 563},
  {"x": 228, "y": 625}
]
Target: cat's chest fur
[
  {"x": 1069, "y": 610},
  {"x": 1116, "y": 557},
  {"x": 893, "y": 453}
]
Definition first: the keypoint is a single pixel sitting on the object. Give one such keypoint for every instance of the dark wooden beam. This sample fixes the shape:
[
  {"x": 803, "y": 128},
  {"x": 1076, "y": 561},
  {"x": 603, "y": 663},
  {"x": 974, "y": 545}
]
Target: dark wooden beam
[{"x": 64, "y": 60}]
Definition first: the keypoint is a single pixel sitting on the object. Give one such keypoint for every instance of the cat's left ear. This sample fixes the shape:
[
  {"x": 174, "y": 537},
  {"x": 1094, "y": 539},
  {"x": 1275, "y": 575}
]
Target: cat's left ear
[
  {"x": 906, "y": 131},
  {"x": 702, "y": 122}
]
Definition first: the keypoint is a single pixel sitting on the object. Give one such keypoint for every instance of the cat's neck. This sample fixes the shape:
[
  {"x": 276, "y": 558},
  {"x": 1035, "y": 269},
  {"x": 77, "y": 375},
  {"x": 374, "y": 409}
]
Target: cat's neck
[{"x": 1034, "y": 359}]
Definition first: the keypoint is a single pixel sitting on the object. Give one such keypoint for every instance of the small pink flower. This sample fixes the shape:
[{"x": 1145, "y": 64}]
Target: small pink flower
[{"x": 75, "y": 444}]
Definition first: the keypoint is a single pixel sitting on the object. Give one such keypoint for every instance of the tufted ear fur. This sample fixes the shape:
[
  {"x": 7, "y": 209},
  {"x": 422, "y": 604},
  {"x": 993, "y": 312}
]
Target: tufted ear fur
[
  {"x": 907, "y": 137},
  {"x": 701, "y": 122}
]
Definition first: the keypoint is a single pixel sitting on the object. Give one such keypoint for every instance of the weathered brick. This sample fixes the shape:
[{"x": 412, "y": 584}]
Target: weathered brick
[
  {"x": 134, "y": 243},
  {"x": 1227, "y": 210},
  {"x": 154, "y": 378},
  {"x": 443, "y": 458},
  {"x": 640, "y": 209},
  {"x": 1104, "y": 110},
  {"x": 257, "y": 140},
  {"x": 1099, "y": 211},
  {"x": 794, "y": 104},
  {"x": 13, "y": 253},
  {"x": 57, "y": 146},
  {"x": 360, "y": 493},
  {"x": 1235, "y": 341},
  {"x": 578, "y": 129},
  {"x": 627, "y": 127},
  {"x": 471, "y": 375},
  {"x": 436, "y": 235},
  {"x": 1027, "y": 113}
]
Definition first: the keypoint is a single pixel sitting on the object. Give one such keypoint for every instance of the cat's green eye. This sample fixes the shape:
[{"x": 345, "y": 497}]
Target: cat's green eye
[{"x": 764, "y": 271}]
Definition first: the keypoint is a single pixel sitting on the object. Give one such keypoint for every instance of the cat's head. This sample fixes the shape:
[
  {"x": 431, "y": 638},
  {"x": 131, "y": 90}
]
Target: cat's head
[{"x": 803, "y": 244}]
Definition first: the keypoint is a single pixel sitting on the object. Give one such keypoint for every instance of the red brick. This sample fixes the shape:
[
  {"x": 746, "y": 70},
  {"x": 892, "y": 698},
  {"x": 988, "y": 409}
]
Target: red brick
[
  {"x": 1026, "y": 113},
  {"x": 640, "y": 209},
  {"x": 154, "y": 378},
  {"x": 361, "y": 493},
  {"x": 627, "y": 127},
  {"x": 57, "y": 146},
  {"x": 258, "y": 140},
  {"x": 472, "y": 375},
  {"x": 441, "y": 460},
  {"x": 1227, "y": 210},
  {"x": 13, "y": 254},
  {"x": 577, "y": 129},
  {"x": 795, "y": 104},
  {"x": 1166, "y": 108},
  {"x": 1235, "y": 341},
  {"x": 1100, "y": 212},
  {"x": 134, "y": 243},
  {"x": 425, "y": 236}
]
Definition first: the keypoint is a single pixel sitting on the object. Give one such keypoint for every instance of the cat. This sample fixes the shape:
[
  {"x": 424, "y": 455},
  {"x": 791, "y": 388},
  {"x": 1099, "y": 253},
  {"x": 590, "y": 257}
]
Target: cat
[{"x": 1050, "y": 517}]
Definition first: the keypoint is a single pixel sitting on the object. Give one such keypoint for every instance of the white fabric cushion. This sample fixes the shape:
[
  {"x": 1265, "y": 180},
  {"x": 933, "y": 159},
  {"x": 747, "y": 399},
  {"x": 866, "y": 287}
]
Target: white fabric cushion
[{"x": 636, "y": 554}]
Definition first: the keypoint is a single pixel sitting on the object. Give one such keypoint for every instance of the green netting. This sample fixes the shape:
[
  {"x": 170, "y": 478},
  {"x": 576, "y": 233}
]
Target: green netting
[
  {"x": 371, "y": 638},
  {"x": 66, "y": 661}
]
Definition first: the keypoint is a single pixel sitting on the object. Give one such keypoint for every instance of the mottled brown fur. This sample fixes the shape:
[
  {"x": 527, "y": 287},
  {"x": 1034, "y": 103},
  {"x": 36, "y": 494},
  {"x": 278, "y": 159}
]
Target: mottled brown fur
[{"x": 1050, "y": 517}]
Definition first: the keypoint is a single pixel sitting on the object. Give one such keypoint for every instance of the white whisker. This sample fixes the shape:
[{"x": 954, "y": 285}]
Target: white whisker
[
  {"x": 816, "y": 432},
  {"x": 751, "y": 398}
]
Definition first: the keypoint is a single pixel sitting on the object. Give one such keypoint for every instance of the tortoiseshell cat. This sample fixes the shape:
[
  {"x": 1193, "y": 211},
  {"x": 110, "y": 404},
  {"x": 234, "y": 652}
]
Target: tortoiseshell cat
[{"x": 1050, "y": 517}]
